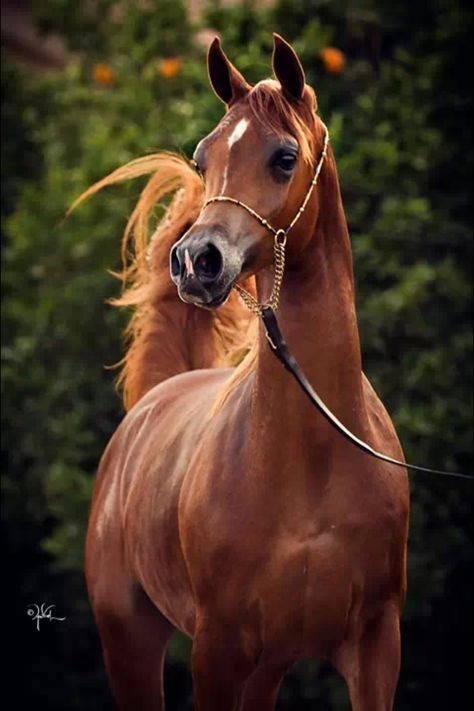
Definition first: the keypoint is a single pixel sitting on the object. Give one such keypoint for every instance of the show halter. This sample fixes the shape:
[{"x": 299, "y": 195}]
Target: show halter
[
  {"x": 280, "y": 237},
  {"x": 279, "y": 348}
]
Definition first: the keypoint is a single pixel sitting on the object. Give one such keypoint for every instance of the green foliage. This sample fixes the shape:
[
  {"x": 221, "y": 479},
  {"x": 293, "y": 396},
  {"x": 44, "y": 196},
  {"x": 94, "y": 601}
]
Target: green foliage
[{"x": 397, "y": 116}]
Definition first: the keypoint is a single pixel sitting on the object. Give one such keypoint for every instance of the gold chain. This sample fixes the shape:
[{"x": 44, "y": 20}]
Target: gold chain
[
  {"x": 279, "y": 269},
  {"x": 280, "y": 237}
]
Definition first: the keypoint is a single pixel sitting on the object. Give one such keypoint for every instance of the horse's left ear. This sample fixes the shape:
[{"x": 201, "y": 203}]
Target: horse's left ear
[{"x": 287, "y": 68}]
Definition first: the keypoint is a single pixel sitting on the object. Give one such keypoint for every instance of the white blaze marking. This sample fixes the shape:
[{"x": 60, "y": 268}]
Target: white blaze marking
[
  {"x": 224, "y": 181},
  {"x": 236, "y": 135},
  {"x": 238, "y": 132}
]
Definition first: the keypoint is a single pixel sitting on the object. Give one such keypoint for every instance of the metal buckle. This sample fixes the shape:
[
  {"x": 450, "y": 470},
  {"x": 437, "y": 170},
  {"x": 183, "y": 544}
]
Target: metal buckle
[
  {"x": 268, "y": 337},
  {"x": 280, "y": 238}
]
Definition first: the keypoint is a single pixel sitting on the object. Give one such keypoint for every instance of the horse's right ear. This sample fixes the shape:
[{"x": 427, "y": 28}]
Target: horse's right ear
[
  {"x": 287, "y": 68},
  {"x": 226, "y": 80}
]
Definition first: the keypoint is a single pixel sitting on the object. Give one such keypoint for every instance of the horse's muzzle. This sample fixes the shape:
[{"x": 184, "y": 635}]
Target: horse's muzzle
[{"x": 198, "y": 269}]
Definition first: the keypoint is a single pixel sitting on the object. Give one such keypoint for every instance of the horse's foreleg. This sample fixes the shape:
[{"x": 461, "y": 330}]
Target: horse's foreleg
[
  {"x": 261, "y": 689},
  {"x": 220, "y": 668},
  {"x": 134, "y": 640},
  {"x": 371, "y": 664}
]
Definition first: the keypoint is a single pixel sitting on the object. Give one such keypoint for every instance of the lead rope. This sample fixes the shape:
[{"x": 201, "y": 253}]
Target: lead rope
[
  {"x": 266, "y": 311},
  {"x": 281, "y": 351}
]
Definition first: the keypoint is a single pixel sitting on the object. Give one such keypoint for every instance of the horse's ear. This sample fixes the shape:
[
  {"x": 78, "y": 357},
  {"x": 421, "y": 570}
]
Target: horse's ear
[
  {"x": 226, "y": 80},
  {"x": 287, "y": 68}
]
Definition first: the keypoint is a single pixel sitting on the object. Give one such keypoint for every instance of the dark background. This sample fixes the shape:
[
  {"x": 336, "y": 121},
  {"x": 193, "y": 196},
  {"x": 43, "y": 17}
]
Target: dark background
[{"x": 86, "y": 87}]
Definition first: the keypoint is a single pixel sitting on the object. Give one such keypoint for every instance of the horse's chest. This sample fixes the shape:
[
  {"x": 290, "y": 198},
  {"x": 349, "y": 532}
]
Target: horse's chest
[
  {"x": 287, "y": 552},
  {"x": 309, "y": 587}
]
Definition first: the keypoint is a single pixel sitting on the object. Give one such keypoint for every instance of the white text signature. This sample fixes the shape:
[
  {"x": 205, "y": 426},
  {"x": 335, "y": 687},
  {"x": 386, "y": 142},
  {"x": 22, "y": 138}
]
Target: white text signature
[{"x": 42, "y": 612}]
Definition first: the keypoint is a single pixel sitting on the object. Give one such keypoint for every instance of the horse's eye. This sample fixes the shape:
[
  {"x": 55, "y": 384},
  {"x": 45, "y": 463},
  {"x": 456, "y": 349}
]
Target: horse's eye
[{"x": 285, "y": 162}]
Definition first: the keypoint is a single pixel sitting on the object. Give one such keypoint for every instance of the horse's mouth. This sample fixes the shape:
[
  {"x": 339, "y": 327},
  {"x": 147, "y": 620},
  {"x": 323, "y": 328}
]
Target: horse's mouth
[
  {"x": 206, "y": 301},
  {"x": 221, "y": 299}
]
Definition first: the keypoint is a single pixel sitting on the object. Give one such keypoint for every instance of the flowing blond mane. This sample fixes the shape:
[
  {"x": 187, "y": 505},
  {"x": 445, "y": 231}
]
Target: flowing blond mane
[{"x": 275, "y": 112}]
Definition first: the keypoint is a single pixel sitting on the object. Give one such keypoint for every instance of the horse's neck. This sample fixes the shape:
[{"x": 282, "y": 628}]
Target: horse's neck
[{"x": 318, "y": 321}]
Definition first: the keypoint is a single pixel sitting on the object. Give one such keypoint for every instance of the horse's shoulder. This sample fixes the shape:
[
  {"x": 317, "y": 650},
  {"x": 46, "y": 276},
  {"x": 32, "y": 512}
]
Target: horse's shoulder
[
  {"x": 385, "y": 439},
  {"x": 196, "y": 388},
  {"x": 379, "y": 418},
  {"x": 182, "y": 385}
]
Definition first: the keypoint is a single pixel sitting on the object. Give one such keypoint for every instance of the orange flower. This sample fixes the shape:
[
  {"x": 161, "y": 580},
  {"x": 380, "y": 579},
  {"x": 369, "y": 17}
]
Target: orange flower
[
  {"x": 169, "y": 67},
  {"x": 334, "y": 60},
  {"x": 103, "y": 75}
]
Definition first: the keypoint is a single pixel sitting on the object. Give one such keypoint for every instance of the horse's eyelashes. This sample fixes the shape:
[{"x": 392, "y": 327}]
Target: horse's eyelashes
[{"x": 284, "y": 162}]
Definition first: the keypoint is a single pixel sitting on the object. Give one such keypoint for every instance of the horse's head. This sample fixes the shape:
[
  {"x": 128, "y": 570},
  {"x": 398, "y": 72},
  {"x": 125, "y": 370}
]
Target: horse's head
[{"x": 263, "y": 154}]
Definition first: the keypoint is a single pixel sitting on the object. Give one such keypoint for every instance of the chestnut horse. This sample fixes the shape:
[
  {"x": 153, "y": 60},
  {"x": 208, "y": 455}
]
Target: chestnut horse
[{"x": 225, "y": 506}]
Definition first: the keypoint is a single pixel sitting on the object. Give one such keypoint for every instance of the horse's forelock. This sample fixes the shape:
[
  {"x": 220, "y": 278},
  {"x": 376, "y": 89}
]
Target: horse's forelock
[{"x": 273, "y": 110}]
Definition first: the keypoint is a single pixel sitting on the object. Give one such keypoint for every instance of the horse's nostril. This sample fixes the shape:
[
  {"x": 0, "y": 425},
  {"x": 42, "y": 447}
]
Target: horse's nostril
[
  {"x": 175, "y": 264},
  {"x": 208, "y": 264}
]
